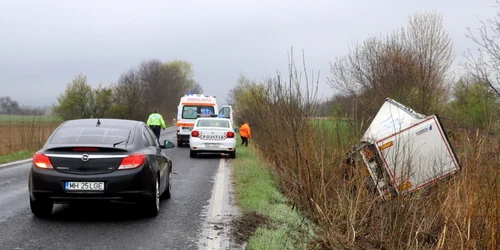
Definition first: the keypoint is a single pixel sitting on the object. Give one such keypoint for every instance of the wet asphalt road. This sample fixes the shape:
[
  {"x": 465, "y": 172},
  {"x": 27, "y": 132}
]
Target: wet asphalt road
[{"x": 113, "y": 226}]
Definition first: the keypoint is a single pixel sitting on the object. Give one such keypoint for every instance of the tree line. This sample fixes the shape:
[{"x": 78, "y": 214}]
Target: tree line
[
  {"x": 8, "y": 106},
  {"x": 151, "y": 85}
]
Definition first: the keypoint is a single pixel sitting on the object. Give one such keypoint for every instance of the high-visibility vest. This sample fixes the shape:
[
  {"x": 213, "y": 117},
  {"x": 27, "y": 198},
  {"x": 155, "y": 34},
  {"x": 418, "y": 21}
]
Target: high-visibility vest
[{"x": 155, "y": 119}]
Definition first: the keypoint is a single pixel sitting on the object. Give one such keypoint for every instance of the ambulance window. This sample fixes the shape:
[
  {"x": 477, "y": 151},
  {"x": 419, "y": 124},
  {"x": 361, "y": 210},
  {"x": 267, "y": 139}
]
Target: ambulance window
[
  {"x": 191, "y": 112},
  {"x": 206, "y": 110}
]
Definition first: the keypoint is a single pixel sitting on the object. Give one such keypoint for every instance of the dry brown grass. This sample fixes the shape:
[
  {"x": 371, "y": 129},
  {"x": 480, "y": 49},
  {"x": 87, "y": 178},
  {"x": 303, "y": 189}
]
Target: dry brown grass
[{"x": 24, "y": 135}]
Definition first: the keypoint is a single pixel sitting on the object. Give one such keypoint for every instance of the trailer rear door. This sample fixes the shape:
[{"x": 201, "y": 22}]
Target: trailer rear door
[{"x": 417, "y": 155}]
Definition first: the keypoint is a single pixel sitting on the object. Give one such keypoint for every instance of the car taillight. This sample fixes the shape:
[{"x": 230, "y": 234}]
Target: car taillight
[
  {"x": 42, "y": 161},
  {"x": 230, "y": 134},
  {"x": 195, "y": 133},
  {"x": 132, "y": 161}
]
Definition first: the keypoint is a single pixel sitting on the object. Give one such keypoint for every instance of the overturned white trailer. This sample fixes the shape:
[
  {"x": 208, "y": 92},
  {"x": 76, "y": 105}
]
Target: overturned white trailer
[{"x": 405, "y": 151}]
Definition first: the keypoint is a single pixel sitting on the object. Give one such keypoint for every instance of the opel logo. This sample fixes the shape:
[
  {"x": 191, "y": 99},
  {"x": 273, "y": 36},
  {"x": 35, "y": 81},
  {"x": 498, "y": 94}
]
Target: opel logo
[{"x": 85, "y": 157}]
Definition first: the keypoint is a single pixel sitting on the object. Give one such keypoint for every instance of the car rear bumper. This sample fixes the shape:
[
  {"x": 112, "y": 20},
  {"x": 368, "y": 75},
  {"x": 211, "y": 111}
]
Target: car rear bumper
[
  {"x": 224, "y": 146},
  {"x": 133, "y": 185}
]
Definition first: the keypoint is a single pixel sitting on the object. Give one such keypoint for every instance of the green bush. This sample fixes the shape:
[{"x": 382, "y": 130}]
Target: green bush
[{"x": 474, "y": 104}]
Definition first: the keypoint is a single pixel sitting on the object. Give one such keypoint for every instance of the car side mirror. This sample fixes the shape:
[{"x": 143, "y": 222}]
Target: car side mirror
[
  {"x": 236, "y": 130},
  {"x": 167, "y": 144}
]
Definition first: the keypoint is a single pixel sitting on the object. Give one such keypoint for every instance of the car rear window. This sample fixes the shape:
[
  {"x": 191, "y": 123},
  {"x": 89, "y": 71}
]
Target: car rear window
[
  {"x": 90, "y": 135},
  {"x": 213, "y": 123}
]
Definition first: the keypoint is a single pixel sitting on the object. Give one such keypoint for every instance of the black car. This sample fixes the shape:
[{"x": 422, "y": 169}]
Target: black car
[{"x": 100, "y": 160}]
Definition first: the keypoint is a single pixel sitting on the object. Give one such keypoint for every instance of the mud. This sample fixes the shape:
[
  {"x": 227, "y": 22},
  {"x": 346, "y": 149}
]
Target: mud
[{"x": 243, "y": 228}]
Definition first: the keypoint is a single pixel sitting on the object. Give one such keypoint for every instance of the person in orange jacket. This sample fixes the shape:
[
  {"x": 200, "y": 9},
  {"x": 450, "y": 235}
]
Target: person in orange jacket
[{"x": 245, "y": 134}]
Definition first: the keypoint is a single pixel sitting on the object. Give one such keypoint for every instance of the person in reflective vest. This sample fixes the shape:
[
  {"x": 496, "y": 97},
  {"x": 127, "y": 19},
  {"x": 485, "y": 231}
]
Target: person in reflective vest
[
  {"x": 156, "y": 123},
  {"x": 245, "y": 134}
]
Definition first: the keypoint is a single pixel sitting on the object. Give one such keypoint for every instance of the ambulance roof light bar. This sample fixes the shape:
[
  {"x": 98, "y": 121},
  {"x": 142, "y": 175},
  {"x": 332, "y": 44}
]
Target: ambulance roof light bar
[{"x": 199, "y": 95}]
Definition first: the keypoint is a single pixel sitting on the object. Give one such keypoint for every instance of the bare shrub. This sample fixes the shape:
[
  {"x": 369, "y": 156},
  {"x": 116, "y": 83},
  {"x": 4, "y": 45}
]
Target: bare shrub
[
  {"x": 308, "y": 159},
  {"x": 410, "y": 65},
  {"x": 24, "y": 134},
  {"x": 486, "y": 64}
]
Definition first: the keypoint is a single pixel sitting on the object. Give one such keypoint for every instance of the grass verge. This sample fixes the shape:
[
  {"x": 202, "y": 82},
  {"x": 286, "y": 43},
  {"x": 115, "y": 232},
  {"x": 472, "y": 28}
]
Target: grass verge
[
  {"x": 281, "y": 226},
  {"x": 16, "y": 156}
]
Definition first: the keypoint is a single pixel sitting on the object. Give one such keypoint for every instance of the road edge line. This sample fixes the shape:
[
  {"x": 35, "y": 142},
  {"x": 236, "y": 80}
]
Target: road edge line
[
  {"x": 15, "y": 162},
  {"x": 214, "y": 240}
]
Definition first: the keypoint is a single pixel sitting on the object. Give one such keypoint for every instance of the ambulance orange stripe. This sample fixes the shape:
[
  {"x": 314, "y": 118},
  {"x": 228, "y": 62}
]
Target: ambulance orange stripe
[{"x": 185, "y": 124}]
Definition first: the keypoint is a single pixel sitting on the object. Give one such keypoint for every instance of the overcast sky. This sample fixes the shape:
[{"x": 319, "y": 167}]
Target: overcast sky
[{"x": 45, "y": 43}]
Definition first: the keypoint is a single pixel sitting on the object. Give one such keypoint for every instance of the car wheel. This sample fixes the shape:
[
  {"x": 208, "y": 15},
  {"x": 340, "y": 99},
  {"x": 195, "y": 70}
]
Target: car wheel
[
  {"x": 41, "y": 208},
  {"x": 168, "y": 191},
  {"x": 192, "y": 153},
  {"x": 153, "y": 204},
  {"x": 232, "y": 154}
]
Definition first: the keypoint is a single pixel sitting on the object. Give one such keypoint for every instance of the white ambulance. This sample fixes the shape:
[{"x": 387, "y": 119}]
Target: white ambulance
[{"x": 188, "y": 110}]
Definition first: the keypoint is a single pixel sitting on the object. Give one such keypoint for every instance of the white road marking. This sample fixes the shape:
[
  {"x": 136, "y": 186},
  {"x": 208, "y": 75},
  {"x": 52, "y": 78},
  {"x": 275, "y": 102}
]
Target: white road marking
[
  {"x": 214, "y": 240},
  {"x": 16, "y": 162}
]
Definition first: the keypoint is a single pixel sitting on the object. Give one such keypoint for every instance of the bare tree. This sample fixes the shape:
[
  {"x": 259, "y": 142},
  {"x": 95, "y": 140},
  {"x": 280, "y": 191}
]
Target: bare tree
[
  {"x": 486, "y": 64},
  {"x": 371, "y": 72},
  {"x": 431, "y": 49},
  {"x": 165, "y": 83},
  {"x": 178, "y": 77},
  {"x": 129, "y": 94},
  {"x": 151, "y": 74},
  {"x": 409, "y": 65},
  {"x": 196, "y": 88}
]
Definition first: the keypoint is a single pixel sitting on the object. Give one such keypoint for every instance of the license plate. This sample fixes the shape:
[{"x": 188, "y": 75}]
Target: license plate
[
  {"x": 213, "y": 137},
  {"x": 87, "y": 186},
  {"x": 187, "y": 129},
  {"x": 211, "y": 145}
]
